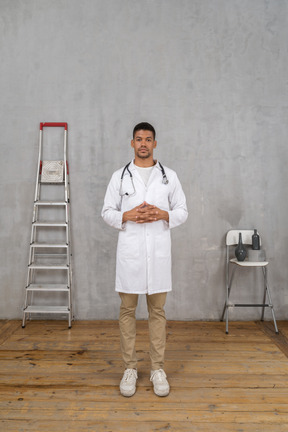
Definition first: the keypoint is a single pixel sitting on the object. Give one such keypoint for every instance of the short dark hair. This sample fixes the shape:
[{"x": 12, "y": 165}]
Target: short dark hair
[{"x": 144, "y": 126}]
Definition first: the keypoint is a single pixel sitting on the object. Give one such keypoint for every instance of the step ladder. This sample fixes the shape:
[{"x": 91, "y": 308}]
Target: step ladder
[{"x": 49, "y": 278}]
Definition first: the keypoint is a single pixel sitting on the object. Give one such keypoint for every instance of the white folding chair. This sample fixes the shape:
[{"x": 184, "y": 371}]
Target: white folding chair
[{"x": 232, "y": 238}]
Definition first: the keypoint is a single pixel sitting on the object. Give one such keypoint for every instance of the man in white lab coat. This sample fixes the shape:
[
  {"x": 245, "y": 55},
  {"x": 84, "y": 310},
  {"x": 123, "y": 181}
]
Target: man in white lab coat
[{"x": 144, "y": 200}]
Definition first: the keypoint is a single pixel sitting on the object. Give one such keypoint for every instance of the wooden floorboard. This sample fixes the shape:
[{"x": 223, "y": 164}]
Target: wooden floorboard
[
  {"x": 56, "y": 379},
  {"x": 279, "y": 339}
]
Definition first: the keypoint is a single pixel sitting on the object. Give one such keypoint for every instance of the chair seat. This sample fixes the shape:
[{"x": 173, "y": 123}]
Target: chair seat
[{"x": 249, "y": 263}]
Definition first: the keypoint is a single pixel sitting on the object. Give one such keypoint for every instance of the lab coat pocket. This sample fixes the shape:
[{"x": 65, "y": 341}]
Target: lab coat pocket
[
  {"x": 128, "y": 246},
  {"x": 163, "y": 244}
]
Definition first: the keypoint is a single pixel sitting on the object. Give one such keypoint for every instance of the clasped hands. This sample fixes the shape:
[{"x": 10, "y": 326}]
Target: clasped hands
[{"x": 145, "y": 213}]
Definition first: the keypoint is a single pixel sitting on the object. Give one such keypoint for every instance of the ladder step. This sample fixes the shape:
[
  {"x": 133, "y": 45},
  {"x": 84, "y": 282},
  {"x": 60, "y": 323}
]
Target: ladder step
[
  {"x": 47, "y": 309},
  {"x": 49, "y": 245},
  {"x": 50, "y": 203},
  {"x": 49, "y": 224},
  {"x": 48, "y": 287},
  {"x": 62, "y": 182},
  {"x": 50, "y": 256},
  {"x": 48, "y": 267}
]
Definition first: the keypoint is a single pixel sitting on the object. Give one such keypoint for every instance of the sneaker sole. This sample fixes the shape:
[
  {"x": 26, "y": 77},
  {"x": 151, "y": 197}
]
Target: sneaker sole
[
  {"x": 163, "y": 394},
  {"x": 127, "y": 394}
]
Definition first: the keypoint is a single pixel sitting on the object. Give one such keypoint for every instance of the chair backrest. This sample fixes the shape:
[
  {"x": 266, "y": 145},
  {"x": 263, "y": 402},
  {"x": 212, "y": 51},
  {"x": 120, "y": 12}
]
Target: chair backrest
[{"x": 232, "y": 237}]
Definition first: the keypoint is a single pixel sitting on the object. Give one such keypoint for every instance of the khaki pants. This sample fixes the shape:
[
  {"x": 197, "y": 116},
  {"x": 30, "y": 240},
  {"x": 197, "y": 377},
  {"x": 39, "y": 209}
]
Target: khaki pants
[{"x": 157, "y": 329}]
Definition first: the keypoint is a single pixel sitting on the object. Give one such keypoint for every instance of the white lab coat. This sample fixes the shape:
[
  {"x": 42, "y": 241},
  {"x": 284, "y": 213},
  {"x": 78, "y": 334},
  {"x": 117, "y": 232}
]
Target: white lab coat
[{"x": 143, "y": 263}]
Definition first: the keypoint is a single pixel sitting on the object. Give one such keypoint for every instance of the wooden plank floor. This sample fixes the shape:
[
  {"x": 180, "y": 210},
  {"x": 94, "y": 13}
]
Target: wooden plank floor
[{"x": 54, "y": 379}]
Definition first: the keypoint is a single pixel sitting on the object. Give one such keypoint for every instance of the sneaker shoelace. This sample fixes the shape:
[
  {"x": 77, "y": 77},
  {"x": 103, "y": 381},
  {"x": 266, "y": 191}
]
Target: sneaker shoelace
[
  {"x": 130, "y": 374},
  {"x": 159, "y": 375}
]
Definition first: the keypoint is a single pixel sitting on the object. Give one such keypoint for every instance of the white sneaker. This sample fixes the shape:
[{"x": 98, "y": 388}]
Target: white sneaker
[
  {"x": 128, "y": 382},
  {"x": 160, "y": 383}
]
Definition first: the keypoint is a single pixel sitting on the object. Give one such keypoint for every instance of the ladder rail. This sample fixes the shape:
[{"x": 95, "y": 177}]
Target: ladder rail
[
  {"x": 65, "y": 166},
  {"x": 38, "y": 165}
]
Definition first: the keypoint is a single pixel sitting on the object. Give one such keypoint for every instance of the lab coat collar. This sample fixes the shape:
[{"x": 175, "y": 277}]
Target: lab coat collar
[{"x": 132, "y": 166}]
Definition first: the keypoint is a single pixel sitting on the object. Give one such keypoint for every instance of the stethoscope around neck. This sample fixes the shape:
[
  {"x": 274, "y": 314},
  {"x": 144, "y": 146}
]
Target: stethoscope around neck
[{"x": 126, "y": 168}]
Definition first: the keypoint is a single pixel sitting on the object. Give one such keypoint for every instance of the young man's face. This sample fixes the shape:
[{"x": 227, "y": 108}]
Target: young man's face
[{"x": 143, "y": 144}]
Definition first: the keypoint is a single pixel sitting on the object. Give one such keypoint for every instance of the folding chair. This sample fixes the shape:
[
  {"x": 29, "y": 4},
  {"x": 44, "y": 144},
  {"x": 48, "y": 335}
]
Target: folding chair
[{"x": 232, "y": 238}]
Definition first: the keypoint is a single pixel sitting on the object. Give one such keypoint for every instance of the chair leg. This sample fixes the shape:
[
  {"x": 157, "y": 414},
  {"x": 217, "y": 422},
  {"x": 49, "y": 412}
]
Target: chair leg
[
  {"x": 226, "y": 305},
  {"x": 274, "y": 319},
  {"x": 224, "y": 310},
  {"x": 267, "y": 290},
  {"x": 227, "y": 319},
  {"x": 226, "y": 302},
  {"x": 272, "y": 310}
]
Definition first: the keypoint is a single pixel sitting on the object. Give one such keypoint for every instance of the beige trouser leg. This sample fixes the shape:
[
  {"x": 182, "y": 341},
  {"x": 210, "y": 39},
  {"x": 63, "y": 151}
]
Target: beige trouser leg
[
  {"x": 157, "y": 329},
  {"x": 127, "y": 324}
]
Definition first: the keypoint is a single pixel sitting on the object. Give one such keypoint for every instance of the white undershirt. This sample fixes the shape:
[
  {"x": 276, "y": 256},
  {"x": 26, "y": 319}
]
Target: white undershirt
[{"x": 145, "y": 173}]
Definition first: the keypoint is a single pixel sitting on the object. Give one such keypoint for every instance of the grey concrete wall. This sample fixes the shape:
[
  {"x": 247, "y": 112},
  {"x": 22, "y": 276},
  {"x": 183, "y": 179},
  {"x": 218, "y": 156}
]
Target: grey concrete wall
[{"x": 211, "y": 75}]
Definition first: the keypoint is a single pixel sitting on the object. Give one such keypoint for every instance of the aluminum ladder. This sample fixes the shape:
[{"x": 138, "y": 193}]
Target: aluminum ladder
[{"x": 49, "y": 277}]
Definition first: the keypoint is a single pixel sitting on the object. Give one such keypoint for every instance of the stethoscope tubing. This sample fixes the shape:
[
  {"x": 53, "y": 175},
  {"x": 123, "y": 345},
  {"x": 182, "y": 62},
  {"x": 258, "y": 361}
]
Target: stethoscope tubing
[{"x": 164, "y": 179}]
